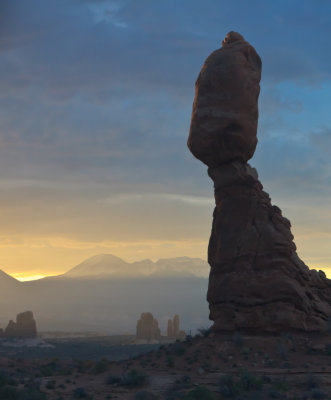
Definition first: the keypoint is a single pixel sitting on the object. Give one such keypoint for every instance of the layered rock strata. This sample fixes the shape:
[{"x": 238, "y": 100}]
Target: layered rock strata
[{"x": 257, "y": 281}]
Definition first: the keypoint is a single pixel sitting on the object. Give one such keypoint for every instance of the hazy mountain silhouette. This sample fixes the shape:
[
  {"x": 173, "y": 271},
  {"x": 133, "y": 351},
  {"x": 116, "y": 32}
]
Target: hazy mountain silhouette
[
  {"x": 107, "y": 294},
  {"x": 107, "y": 264}
]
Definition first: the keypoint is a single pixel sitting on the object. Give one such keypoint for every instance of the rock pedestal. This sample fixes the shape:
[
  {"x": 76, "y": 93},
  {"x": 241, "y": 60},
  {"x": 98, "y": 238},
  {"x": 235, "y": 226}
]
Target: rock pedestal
[{"x": 257, "y": 281}]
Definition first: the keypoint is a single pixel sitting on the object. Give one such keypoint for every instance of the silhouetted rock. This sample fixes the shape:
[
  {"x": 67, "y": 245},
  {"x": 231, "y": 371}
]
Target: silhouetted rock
[
  {"x": 170, "y": 328},
  {"x": 176, "y": 325},
  {"x": 25, "y": 326},
  {"x": 225, "y": 109},
  {"x": 148, "y": 327},
  {"x": 257, "y": 281},
  {"x": 173, "y": 328}
]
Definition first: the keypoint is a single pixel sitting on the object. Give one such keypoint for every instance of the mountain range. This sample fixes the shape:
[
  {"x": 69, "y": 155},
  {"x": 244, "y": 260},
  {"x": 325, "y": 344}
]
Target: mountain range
[{"x": 107, "y": 294}]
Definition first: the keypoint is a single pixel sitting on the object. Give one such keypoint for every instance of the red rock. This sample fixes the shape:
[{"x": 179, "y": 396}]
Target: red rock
[
  {"x": 225, "y": 108},
  {"x": 148, "y": 327},
  {"x": 25, "y": 326},
  {"x": 257, "y": 281}
]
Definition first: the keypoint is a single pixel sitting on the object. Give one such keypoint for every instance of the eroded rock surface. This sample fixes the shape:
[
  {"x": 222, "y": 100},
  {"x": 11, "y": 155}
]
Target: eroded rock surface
[
  {"x": 225, "y": 109},
  {"x": 257, "y": 281}
]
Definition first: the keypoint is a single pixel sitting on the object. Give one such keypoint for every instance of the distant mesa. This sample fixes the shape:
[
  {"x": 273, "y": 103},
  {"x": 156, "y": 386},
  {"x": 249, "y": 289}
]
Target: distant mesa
[
  {"x": 257, "y": 282},
  {"x": 24, "y": 327}
]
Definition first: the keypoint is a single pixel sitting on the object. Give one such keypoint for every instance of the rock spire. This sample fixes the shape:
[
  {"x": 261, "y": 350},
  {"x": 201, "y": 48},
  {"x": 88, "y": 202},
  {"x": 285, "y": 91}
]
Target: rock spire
[{"x": 257, "y": 281}]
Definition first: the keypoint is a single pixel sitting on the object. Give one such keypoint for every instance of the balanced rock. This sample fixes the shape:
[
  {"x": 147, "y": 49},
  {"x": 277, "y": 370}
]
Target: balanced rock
[
  {"x": 257, "y": 281},
  {"x": 225, "y": 108},
  {"x": 148, "y": 328}
]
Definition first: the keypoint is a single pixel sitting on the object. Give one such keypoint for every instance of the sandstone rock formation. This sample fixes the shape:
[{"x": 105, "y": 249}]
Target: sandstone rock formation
[
  {"x": 225, "y": 109},
  {"x": 170, "y": 329},
  {"x": 148, "y": 328},
  {"x": 25, "y": 326},
  {"x": 257, "y": 281},
  {"x": 173, "y": 328}
]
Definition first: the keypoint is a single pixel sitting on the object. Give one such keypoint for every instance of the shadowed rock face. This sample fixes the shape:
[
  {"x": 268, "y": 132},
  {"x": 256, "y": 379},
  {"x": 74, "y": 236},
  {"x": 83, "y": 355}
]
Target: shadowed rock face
[
  {"x": 225, "y": 109},
  {"x": 148, "y": 327},
  {"x": 257, "y": 281},
  {"x": 25, "y": 326}
]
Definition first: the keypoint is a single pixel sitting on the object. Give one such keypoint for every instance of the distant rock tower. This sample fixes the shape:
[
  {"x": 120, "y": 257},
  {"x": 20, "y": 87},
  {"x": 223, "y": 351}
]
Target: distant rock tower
[
  {"x": 173, "y": 329},
  {"x": 176, "y": 325},
  {"x": 25, "y": 326},
  {"x": 148, "y": 328},
  {"x": 170, "y": 330}
]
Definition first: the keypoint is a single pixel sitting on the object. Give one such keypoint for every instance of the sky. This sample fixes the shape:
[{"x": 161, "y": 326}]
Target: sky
[{"x": 95, "y": 106}]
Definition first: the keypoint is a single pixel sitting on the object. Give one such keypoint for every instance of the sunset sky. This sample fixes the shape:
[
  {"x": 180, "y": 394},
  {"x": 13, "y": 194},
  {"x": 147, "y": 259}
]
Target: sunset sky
[{"x": 95, "y": 106}]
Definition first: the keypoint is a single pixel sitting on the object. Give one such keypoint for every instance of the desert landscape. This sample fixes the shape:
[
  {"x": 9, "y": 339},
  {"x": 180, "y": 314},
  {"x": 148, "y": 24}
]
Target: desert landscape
[{"x": 105, "y": 290}]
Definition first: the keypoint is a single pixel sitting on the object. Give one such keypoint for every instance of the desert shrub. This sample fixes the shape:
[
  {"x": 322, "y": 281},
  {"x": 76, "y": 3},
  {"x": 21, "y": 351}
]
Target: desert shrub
[
  {"x": 178, "y": 349},
  {"x": 50, "y": 384},
  {"x": 134, "y": 378},
  {"x": 199, "y": 393},
  {"x": 227, "y": 386},
  {"x": 170, "y": 361},
  {"x": 203, "y": 331},
  {"x": 238, "y": 339},
  {"x": 317, "y": 393},
  {"x": 101, "y": 366},
  {"x": 113, "y": 380},
  {"x": 249, "y": 381},
  {"x": 145, "y": 395},
  {"x": 189, "y": 339},
  {"x": 9, "y": 393},
  {"x": 5, "y": 379},
  {"x": 13, "y": 393},
  {"x": 311, "y": 381},
  {"x": 81, "y": 393},
  {"x": 279, "y": 385},
  {"x": 281, "y": 350}
]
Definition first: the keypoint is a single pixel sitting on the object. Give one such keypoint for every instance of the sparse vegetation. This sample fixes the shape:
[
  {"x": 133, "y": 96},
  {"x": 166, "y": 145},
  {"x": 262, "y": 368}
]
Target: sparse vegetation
[
  {"x": 238, "y": 339},
  {"x": 204, "y": 332},
  {"x": 134, "y": 379},
  {"x": 199, "y": 393},
  {"x": 145, "y": 395},
  {"x": 81, "y": 393}
]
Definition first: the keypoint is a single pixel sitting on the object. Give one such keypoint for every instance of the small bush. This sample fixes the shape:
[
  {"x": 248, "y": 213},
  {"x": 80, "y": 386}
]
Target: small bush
[
  {"x": 317, "y": 394},
  {"x": 227, "y": 386},
  {"x": 280, "y": 385},
  {"x": 170, "y": 361},
  {"x": 312, "y": 381},
  {"x": 178, "y": 349},
  {"x": 134, "y": 378},
  {"x": 282, "y": 351},
  {"x": 238, "y": 339},
  {"x": 249, "y": 381},
  {"x": 50, "y": 384},
  {"x": 113, "y": 380},
  {"x": 199, "y": 393},
  {"x": 145, "y": 395},
  {"x": 101, "y": 366},
  {"x": 205, "y": 332},
  {"x": 81, "y": 393}
]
